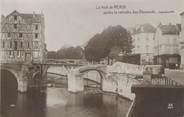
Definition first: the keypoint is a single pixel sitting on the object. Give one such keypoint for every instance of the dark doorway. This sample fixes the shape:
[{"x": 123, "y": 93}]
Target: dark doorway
[{"x": 9, "y": 90}]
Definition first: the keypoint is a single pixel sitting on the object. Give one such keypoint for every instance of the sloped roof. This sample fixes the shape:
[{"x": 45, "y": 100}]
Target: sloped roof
[
  {"x": 170, "y": 29},
  {"x": 29, "y": 18},
  {"x": 145, "y": 28}
]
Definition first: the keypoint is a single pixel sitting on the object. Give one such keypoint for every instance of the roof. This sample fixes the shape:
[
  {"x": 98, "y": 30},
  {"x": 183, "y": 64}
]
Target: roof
[
  {"x": 29, "y": 18},
  {"x": 145, "y": 28},
  {"x": 170, "y": 29}
]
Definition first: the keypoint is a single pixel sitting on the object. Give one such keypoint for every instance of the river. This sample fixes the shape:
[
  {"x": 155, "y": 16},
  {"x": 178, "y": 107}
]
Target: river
[{"x": 58, "y": 102}]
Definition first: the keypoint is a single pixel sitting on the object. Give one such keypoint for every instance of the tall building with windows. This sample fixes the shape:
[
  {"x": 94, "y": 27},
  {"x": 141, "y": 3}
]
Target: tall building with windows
[
  {"x": 22, "y": 37},
  {"x": 143, "y": 42},
  {"x": 167, "y": 45},
  {"x": 182, "y": 40}
]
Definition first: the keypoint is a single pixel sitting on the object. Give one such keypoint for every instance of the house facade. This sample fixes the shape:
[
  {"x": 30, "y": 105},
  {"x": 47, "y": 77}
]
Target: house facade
[
  {"x": 167, "y": 46},
  {"x": 143, "y": 43},
  {"x": 22, "y": 37},
  {"x": 182, "y": 40}
]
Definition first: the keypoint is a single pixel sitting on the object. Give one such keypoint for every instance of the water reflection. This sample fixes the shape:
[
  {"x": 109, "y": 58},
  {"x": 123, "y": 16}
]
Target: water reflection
[
  {"x": 8, "y": 89},
  {"x": 58, "y": 102},
  {"x": 27, "y": 105}
]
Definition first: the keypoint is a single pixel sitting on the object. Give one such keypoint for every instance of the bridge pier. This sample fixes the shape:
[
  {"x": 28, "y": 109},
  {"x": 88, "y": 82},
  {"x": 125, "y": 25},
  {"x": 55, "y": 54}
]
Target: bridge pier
[
  {"x": 22, "y": 86},
  {"x": 22, "y": 79},
  {"x": 75, "y": 82}
]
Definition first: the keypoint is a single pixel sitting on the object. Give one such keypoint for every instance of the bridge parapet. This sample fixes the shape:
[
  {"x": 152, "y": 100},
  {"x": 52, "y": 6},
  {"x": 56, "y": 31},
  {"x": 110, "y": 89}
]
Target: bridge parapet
[
  {"x": 176, "y": 75},
  {"x": 101, "y": 68}
]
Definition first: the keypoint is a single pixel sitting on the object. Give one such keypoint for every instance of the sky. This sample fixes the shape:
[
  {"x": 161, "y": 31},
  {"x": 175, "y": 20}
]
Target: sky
[{"x": 74, "y": 22}]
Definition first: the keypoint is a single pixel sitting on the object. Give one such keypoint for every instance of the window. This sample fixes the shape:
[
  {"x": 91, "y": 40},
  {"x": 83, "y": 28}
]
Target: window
[
  {"x": 36, "y": 46},
  {"x": 35, "y": 54},
  {"x": 15, "y": 17},
  {"x": 11, "y": 54},
  {"x": 15, "y": 45},
  {"x": 21, "y": 44},
  {"x": 10, "y": 44},
  {"x": 3, "y": 44},
  {"x": 9, "y": 34},
  {"x": 20, "y": 35},
  {"x": 36, "y": 35},
  {"x": 15, "y": 26},
  {"x": 27, "y": 44},
  {"x": 17, "y": 53},
  {"x": 22, "y": 54},
  {"x": 36, "y": 27}
]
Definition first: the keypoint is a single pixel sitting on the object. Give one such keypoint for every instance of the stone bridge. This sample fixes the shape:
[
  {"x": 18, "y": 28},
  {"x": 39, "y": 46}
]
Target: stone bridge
[
  {"x": 116, "y": 78},
  {"x": 110, "y": 78},
  {"x": 33, "y": 75}
]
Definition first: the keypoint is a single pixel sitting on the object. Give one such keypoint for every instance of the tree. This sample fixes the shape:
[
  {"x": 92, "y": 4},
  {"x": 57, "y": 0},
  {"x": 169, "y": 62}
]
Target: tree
[
  {"x": 99, "y": 46},
  {"x": 52, "y": 55},
  {"x": 114, "y": 52},
  {"x": 66, "y": 53},
  {"x": 70, "y": 53}
]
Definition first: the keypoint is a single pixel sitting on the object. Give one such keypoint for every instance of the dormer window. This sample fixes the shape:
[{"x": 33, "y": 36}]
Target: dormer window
[{"x": 15, "y": 18}]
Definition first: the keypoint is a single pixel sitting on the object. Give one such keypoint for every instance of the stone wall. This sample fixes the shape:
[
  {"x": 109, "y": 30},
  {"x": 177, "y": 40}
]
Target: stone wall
[{"x": 120, "y": 84}]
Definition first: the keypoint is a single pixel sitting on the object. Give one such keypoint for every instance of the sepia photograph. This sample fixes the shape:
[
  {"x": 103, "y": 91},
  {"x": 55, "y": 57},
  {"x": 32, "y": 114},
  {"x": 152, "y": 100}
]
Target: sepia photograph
[{"x": 92, "y": 58}]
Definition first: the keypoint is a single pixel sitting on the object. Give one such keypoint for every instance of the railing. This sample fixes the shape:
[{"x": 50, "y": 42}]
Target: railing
[
  {"x": 164, "y": 81},
  {"x": 176, "y": 75}
]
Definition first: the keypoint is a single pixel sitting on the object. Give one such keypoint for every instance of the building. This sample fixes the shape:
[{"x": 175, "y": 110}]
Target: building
[
  {"x": 22, "y": 37},
  {"x": 182, "y": 40},
  {"x": 143, "y": 43},
  {"x": 167, "y": 45}
]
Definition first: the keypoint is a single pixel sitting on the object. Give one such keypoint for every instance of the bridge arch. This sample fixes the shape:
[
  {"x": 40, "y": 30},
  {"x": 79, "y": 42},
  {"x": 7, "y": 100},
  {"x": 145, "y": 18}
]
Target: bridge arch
[
  {"x": 9, "y": 87},
  {"x": 94, "y": 78},
  {"x": 13, "y": 72},
  {"x": 99, "y": 69},
  {"x": 34, "y": 82}
]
